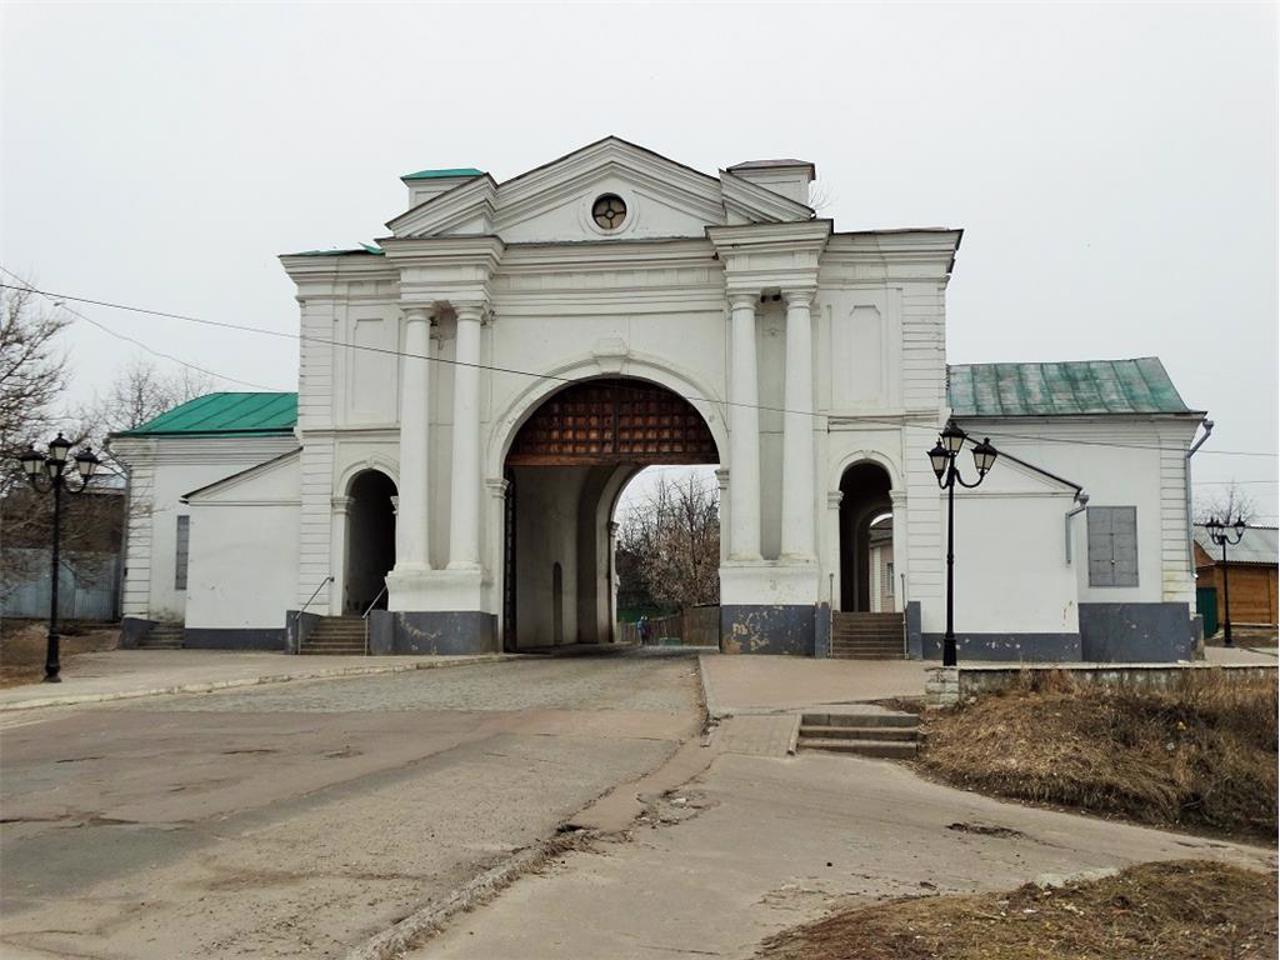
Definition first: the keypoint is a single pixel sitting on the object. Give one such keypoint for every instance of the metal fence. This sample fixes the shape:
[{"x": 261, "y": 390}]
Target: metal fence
[{"x": 88, "y": 584}]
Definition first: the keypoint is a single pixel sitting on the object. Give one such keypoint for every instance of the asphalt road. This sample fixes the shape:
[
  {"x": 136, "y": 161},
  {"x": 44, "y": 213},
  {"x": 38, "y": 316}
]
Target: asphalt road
[{"x": 297, "y": 820}]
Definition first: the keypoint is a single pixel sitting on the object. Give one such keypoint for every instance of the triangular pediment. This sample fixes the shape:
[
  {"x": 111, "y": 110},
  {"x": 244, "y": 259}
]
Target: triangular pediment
[
  {"x": 273, "y": 481},
  {"x": 554, "y": 202}
]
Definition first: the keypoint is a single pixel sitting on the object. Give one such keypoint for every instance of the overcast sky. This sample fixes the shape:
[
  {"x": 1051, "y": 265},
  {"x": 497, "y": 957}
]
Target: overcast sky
[{"x": 1113, "y": 167}]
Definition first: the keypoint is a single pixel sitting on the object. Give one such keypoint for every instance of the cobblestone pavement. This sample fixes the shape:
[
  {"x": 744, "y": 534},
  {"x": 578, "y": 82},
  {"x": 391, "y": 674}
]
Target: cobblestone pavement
[
  {"x": 297, "y": 820},
  {"x": 637, "y": 681}
]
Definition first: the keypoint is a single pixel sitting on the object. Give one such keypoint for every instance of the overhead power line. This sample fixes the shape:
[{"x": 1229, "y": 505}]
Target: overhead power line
[
  {"x": 128, "y": 339},
  {"x": 493, "y": 368}
]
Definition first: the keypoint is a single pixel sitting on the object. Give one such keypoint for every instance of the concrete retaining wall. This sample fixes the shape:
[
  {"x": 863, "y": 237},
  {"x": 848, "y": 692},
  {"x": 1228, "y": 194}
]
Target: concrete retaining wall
[{"x": 945, "y": 686}]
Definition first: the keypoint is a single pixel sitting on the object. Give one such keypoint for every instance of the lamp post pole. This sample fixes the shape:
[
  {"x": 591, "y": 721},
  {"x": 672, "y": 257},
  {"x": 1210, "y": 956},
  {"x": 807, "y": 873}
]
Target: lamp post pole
[
  {"x": 943, "y": 460},
  {"x": 48, "y": 474},
  {"x": 1221, "y": 534},
  {"x": 52, "y": 656}
]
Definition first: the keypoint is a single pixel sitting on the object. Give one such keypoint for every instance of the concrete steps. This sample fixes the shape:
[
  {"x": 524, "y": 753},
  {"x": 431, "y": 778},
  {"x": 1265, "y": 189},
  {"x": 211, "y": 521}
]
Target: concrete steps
[
  {"x": 336, "y": 637},
  {"x": 885, "y": 735},
  {"x": 163, "y": 636},
  {"x": 868, "y": 636}
]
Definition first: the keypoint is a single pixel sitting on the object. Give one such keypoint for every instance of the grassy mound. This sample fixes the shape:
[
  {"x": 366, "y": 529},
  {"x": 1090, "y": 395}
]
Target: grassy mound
[
  {"x": 1184, "y": 910},
  {"x": 1201, "y": 754}
]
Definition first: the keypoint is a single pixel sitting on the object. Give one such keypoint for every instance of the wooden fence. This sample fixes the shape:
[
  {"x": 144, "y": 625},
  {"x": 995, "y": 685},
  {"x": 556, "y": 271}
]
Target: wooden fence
[{"x": 693, "y": 627}]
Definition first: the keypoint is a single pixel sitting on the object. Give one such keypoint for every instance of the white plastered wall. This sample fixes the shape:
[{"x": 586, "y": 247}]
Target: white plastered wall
[
  {"x": 162, "y": 471},
  {"x": 244, "y": 549}
]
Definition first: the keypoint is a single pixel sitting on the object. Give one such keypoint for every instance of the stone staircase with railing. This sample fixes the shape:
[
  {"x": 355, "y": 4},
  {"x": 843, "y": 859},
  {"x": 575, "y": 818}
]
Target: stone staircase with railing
[
  {"x": 868, "y": 636},
  {"x": 873, "y": 733},
  {"x": 163, "y": 636},
  {"x": 336, "y": 636}
]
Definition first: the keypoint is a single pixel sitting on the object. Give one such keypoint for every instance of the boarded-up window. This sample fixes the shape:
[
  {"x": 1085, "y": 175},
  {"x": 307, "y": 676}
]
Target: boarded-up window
[
  {"x": 1113, "y": 546},
  {"x": 180, "y": 557}
]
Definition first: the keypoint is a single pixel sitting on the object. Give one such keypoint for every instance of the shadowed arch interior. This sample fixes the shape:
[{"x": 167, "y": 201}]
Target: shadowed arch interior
[
  {"x": 864, "y": 489},
  {"x": 371, "y": 539},
  {"x": 565, "y": 469}
]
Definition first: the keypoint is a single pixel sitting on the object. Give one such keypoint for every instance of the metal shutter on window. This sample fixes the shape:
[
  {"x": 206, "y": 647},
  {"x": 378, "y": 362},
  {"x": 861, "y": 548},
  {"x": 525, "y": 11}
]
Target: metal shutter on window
[
  {"x": 1124, "y": 545},
  {"x": 180, "y": 558},
  {"x": 1113, "y": 546}
]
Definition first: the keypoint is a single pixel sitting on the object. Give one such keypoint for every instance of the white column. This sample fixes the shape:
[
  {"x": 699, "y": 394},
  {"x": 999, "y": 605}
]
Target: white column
[
  {"x": 415, "y": 397},
  {"x": 744, "y": 431},
  {"x": 797, "y": 435},
  {"x": 464, "y": 520},
  {"x": 338, "y": 540}
]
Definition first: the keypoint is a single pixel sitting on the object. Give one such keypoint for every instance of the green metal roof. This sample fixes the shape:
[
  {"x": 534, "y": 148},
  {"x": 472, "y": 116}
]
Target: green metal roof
[
  {"x": 440, "y": 174},
  {"x": 1077, "y": 387},
  {"x": 225, "y": 414}
]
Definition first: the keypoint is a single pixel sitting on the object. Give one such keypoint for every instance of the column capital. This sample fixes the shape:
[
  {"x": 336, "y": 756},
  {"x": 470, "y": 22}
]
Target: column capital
[
  {"x": 471, "y": 309},
  {"x": 739, "y": 299},
  {"x": 498, "y": 487},
  {"x": 340, "y": 504},
  {"x": 834, "y": 497},
  {"x": 799, "y": 296},
  {"x": 419, "y": 311}
]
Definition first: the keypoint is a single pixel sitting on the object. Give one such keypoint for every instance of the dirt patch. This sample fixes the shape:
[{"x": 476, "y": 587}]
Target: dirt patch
[
  {"x": 23, "y": 647},
  {"x": 1201, "y": 755},
  {"x": 1183, "y": 910}
]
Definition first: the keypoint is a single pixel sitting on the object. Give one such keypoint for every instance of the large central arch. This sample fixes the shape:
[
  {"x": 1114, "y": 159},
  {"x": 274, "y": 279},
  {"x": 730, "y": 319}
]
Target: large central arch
[{"x": 565, "y": 468}]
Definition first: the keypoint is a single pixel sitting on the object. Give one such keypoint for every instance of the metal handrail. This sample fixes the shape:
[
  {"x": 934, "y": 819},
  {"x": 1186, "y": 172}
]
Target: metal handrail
[
  {"x": 365, "y": 617},
  {"x": 297, "y": 617}
]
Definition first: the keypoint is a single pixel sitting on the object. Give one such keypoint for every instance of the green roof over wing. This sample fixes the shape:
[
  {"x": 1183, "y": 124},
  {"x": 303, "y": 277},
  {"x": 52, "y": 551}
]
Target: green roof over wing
[
  {"x": 441, "y": 174},
  {"x": 240, "y": 414},
  {"x": 1062, "y": 389}
]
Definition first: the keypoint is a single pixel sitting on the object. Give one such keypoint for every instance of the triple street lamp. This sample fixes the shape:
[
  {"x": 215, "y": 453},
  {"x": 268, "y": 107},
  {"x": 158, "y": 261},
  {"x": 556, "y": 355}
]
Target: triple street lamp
[
  {"x": 48, "y": 472},
  {"x": 943, "y": 460},
  {"x": 1220, "y": 533}
]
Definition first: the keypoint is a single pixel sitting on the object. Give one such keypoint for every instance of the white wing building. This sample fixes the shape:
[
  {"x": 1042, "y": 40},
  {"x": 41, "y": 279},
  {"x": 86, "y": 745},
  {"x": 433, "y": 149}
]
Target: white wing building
[{"x": 477, "y": 388}]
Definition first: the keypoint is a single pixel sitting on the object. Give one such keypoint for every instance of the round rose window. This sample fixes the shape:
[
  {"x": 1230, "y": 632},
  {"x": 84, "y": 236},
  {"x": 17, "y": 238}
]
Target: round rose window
[{"x": 609, "y": 211}]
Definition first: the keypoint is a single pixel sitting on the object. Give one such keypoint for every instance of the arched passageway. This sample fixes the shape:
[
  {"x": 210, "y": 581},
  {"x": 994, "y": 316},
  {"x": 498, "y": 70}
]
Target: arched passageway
[
  {"x": 371, "y": 540},
  {"x": 565, "y": 470},
  {"x": 866, "y": 540}
]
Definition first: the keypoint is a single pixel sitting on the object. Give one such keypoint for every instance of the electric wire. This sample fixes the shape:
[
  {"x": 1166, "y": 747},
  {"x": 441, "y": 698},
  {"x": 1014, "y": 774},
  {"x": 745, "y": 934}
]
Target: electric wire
[
  {"x": 125, "y": 337},
  {"x": 494, "y": 368}
]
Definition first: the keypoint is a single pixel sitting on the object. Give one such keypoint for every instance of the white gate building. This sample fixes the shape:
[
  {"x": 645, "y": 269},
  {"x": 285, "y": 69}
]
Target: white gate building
[{"x": 476, "y": 389}]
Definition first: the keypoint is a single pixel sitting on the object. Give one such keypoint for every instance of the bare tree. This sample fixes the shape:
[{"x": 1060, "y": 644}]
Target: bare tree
[
  {"x": 671, "y": 540},
  {"x": 1226, "y": 503},
  {"x": 33, "y": 373},
  {"x": 141, "y": 391}
]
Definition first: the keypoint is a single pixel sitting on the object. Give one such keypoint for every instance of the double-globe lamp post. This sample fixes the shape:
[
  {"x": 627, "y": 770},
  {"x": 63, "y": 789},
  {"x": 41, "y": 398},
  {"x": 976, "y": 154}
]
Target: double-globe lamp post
[
  {"x": 943, "y": 460},
  {"x": 1221, "y": 534},
  {"x": 48, "y": 473}
]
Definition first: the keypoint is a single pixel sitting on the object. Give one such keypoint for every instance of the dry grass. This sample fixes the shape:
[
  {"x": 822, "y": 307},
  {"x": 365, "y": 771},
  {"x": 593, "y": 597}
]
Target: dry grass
[
  {"x": 22, "y": 647},
  {"x": 1184, "y": 910},
  {"x": 1201, "y": 755}
]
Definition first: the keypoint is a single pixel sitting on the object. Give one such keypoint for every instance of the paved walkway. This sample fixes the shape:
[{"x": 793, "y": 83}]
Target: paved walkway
[
  {"x": 758, "y": 844},
  {"x": 1264, "y": 656},
  {"x": 758, "y": 684},
  {"x": 124, "y": 674}
]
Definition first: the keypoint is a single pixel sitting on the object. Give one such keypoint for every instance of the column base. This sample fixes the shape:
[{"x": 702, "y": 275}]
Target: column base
[
  {"x": 770, "y": 608},
  {"x": 434, "y": 590},
  {"x": 765, "y": 583},
  {"x": 432, "y": 632}
]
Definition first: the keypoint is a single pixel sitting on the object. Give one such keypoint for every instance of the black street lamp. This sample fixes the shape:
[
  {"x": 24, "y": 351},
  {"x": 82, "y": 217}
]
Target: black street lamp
[
  {"x": 49, "y": 473},
  {"x": 943, "y": 460},
  {"x": 1220, "y": 533}
]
